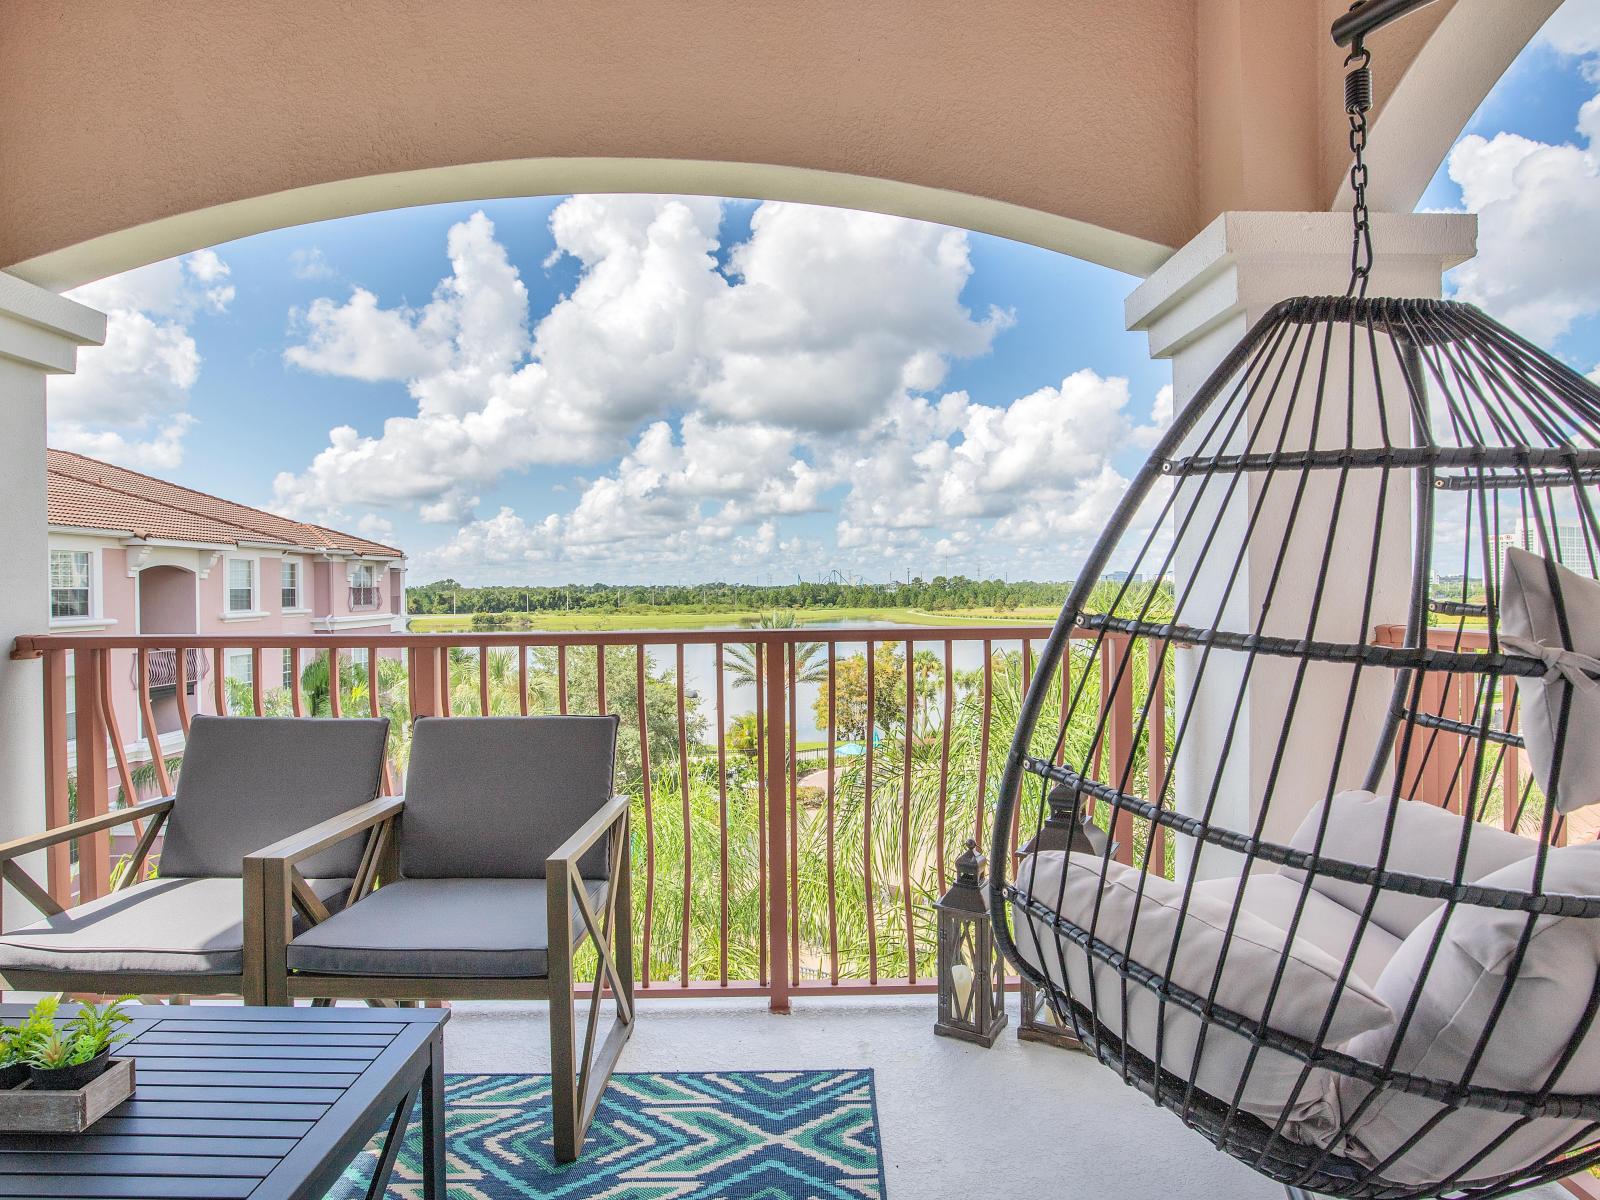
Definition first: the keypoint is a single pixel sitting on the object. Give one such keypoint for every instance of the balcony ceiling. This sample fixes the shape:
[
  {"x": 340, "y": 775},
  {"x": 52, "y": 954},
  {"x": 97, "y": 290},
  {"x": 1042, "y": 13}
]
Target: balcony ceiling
[{"x": 1109, "y": 130}]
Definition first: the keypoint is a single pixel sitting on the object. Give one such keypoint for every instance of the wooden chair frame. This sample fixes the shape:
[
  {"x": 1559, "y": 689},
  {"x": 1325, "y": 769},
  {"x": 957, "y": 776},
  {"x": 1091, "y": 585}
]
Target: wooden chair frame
[
  {"x": 578, "y": 1075},
  {"x": 248, "y": 983}
]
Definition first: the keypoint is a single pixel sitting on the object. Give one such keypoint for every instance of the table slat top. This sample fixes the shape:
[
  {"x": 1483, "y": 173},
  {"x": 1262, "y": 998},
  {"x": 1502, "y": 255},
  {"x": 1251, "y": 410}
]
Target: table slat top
[{"x": 230, "y": 1102}]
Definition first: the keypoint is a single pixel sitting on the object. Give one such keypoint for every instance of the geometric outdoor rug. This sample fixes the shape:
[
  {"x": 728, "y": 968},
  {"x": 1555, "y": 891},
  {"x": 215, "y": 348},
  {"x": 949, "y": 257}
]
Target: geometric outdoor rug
[{"x": 728, "y": 1135}]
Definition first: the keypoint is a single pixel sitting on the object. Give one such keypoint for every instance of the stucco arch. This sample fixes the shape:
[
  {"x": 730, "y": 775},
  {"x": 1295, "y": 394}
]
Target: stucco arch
[{"x": 1113, "y": 132}]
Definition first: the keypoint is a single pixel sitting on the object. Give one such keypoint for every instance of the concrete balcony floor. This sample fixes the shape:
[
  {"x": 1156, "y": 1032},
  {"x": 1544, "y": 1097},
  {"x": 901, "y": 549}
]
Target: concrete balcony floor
[{"x": 956, "y": 1120}]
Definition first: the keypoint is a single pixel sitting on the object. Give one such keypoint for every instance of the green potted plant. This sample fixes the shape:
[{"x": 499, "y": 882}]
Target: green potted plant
[
  {"x": 67, "y": 1057},
  {"x": 13, "y": 1067}
]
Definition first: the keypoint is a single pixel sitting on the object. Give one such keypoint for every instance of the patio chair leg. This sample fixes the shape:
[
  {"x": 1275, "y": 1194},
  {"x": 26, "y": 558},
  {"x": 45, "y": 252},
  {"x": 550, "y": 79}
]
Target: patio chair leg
[{"x": 577, "y": 1082}]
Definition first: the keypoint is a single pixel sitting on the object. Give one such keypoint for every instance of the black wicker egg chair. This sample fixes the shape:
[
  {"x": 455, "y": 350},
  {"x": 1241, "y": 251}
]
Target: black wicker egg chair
[{"x": 1366, "y": 552}]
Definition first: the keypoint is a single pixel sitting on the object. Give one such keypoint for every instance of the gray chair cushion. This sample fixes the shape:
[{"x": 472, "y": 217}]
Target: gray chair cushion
[
  {"x": 1425, "y": 842},
  {"x": 160, "y": 927},
  {"x": 438, "y": 929},
  {"x": 1328, "y": 926},
  {"x": 250, "y": 781},
  {"x": 493, "y": 797}
]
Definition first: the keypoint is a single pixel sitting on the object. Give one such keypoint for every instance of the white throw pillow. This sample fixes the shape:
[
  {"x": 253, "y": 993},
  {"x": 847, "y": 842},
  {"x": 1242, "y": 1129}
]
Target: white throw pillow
[
  {"x": 1253, "y": 954},
  {"x": 1531, "y": 624},
  {"x": 1463, "y": 986}
]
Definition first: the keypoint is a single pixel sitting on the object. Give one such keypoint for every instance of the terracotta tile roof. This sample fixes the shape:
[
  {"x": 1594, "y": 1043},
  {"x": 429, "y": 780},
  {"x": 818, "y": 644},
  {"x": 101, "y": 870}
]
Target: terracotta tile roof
[{"x": 91, "y": 494}]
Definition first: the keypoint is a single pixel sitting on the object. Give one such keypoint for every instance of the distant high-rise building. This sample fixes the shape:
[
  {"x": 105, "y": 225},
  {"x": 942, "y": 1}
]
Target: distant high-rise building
[{"x": 1572, "y": 549}]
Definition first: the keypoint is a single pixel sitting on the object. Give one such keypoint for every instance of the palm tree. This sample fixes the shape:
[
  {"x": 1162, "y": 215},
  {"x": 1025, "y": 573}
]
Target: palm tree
[{"x": 810, "y": 658}]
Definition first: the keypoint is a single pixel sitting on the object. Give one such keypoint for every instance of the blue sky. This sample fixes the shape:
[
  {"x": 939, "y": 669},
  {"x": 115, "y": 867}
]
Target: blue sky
[{"x": 554, "y": 390}]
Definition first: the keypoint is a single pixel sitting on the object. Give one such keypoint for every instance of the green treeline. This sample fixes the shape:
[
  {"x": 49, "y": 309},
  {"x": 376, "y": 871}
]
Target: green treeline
[{"x": 939, "y": 593}]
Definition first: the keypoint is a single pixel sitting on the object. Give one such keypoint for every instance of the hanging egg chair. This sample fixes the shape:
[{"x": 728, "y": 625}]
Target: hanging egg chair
[{"x": 1366, "y": 556}]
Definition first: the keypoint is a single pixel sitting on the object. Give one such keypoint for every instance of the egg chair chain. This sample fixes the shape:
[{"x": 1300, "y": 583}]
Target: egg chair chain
[{"x": 1357, "y": 102}]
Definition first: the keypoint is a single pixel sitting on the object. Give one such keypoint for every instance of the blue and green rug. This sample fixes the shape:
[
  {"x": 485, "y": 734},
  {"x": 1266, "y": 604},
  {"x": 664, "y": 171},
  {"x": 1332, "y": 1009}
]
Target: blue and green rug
[{"x": 731, "y": 1135}]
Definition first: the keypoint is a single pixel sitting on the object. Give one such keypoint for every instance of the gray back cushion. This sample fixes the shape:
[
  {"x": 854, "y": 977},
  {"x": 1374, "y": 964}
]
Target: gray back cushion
[
  {"x": 493, "y": 797},
  {"x": 250, "y": 781}
]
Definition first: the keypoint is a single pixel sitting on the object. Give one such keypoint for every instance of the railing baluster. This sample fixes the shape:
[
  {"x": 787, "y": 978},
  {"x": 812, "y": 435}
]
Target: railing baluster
[
  {"x": 722, "y": 820},
  {"x": 688, "y": 819},
  {"x": 57, "y": 798},
  {"x": 108, "y": 710},
  {"x": 374, "y": 709},
  {"x": 335, "y": 704},
  {"x": 649, "y": 812},
  {"x": 600, "y": 678},
  {"x": 866, "y": 812},
  {"x": 152, "y": 738},
  {"x": 983, "y": 741},
  {"x": 792, "y": 750},
  {"x": 777, "y": 833},
  {"x": 522, "y": 679},
  {"x": 483, "y": 679},
  {"x": 255, "y": 680},
  {"x": 905, "y": 812},
  {"x": 759, "y": 656},
  {"x": 297, "y": 703},
  {"x": 1116, "y": 699},
  {"x": 219, "y": 688},
  {"x": 1156, "y": 755},
  {"x": 94, "y": 865},
  {"x": 1027, "y": 678},
  {"x": 944, "y": 761},
  {"x": 832, "y": 734},
  {"x": 1510, "y": 770},
  {"x": 561, "y": 677},
  {"x": 181, "y": 667}
]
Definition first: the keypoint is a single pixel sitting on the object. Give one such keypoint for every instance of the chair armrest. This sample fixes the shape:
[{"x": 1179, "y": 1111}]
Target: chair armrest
[
  {"x": 66, "y": 833},
  {"x": 298, "y": 847},
  {"x": 590, "y": 832}
]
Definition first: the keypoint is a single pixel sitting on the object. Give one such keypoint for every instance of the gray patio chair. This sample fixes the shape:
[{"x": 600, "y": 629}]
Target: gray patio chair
[
  {"x": 506, "y": 852},
  {"x": 245, "y": 782}
]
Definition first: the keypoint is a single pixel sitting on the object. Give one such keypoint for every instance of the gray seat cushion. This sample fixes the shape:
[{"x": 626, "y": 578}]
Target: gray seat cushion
[
  {"x": 250, "y": 781},
  {"x": 160, "y": 927},
  {"x": 1326, "y": 925},
  {"x": 439, "y": 929},
  {"x": 493, "y": 797}
]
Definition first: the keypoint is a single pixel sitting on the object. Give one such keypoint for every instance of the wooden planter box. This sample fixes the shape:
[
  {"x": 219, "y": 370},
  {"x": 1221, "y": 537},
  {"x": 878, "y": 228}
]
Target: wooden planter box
[{"x": 27, "y": 1110}]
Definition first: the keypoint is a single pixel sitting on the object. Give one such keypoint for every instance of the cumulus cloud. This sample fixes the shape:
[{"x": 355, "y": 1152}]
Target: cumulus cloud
[
  {"x": 824, "y": 318},
  {"x": 1574, "y": 28},
  {"x": 310, "y": 263},
  {"x": 1538, "y": 204},
  {"x": 129, "y": 398},
  {"x": 930, "y": 477}
]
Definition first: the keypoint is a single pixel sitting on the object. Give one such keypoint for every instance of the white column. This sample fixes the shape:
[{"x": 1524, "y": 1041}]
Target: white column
[
  {"x": 40, "y": 333},
  {"x": 1196, "y": 308}
]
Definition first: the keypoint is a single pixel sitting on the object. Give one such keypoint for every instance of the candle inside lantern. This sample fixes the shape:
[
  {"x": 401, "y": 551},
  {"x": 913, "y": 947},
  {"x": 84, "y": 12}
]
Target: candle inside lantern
[{"x": 961, "y": 980}]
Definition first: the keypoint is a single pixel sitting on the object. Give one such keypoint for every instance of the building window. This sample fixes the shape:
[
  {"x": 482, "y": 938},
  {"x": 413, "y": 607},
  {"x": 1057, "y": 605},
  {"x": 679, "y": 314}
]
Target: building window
[
  {"x": 291, "y": 583},
  {"x": 241, "y": 585},
  {"x": 288, "y": 670},
  {"x": 241, "y": 667},
  {"x": 364, "y": 586},
  {"x": 69, "y": 583}
]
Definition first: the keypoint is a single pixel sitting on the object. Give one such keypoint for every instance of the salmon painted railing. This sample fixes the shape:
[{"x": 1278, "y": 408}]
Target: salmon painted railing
[{"x": 799, "y": 795}]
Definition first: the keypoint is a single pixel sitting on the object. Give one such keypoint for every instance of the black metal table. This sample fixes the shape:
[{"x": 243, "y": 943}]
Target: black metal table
[{"x": 266, "y": 1103}]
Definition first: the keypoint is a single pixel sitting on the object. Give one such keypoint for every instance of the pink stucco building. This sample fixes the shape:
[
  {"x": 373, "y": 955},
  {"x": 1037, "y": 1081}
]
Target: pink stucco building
[{"x": 133, "y": 554}]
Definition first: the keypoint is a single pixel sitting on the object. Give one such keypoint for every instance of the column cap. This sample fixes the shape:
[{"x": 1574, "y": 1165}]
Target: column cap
[
  {"x": 41, "y": 329},
  {"x": 1247, "y": 260}
]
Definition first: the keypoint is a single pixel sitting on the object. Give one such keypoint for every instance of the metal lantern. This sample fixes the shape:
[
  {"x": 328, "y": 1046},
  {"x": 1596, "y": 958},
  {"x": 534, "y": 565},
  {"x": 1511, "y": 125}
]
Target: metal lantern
[
  {"x": 972, "y": 998},
  {"x": 1069, "y": 827}
]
